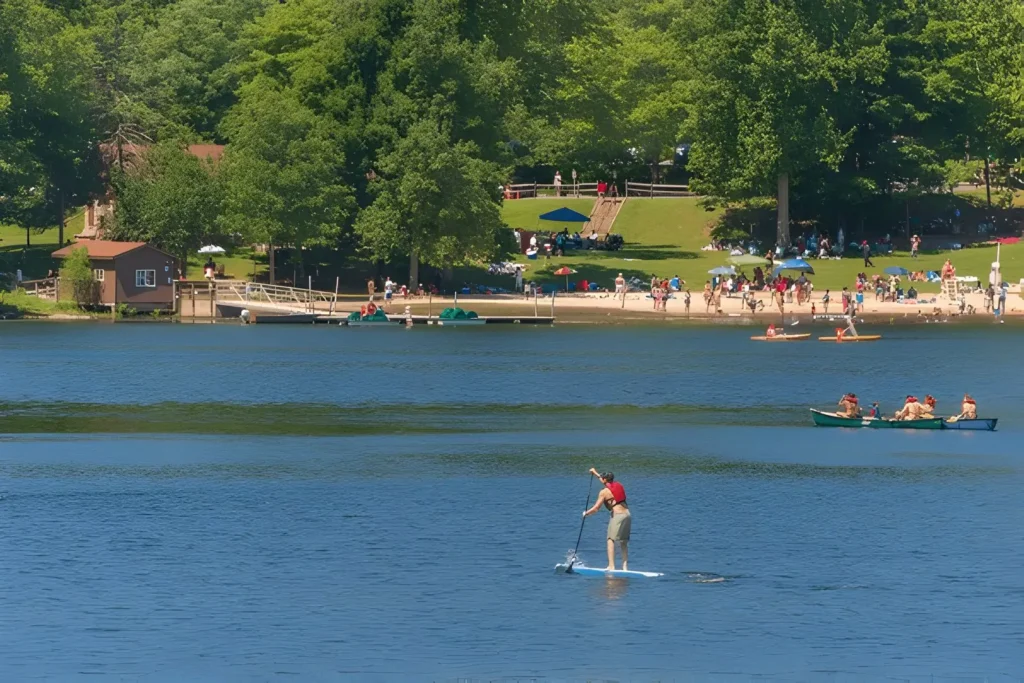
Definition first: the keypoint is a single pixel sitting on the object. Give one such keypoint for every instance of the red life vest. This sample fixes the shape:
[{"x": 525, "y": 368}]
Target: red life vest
[{"x": 618, "y": 493}]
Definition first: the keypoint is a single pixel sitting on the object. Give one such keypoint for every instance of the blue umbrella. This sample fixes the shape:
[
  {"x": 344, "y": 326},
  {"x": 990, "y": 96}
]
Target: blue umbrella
[
  {"x": 722, "y": 270},
  {"x": 897, "y": 270},
  {"x": 797, "y": 264},
  {"x": 564, "y": 215}
]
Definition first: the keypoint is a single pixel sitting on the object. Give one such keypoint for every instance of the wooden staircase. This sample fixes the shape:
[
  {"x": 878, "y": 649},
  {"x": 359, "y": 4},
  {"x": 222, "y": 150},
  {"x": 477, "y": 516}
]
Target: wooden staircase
[{"x": 603, "y": 216}]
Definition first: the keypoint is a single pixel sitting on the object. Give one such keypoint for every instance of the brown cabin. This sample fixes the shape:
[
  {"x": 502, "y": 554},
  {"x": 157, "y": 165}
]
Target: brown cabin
[{"x": 131, "y": 273}]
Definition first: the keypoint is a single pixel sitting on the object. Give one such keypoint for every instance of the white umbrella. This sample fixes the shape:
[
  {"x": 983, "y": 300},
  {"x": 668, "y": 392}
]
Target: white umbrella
[{"x": 212, "y": 249}]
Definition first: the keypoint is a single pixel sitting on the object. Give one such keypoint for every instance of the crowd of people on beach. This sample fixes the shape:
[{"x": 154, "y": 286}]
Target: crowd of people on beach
[{"x": 912, "y": 409}]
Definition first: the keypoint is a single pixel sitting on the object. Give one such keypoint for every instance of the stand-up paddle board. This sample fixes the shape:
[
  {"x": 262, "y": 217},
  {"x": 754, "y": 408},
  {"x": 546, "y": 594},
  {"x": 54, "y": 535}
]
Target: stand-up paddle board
[{"x": 614, "y": 573}]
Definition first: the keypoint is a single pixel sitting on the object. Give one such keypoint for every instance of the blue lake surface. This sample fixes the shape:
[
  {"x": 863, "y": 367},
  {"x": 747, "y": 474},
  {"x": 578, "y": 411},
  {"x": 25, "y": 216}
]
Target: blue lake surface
[{"x": 219, "y": 503}]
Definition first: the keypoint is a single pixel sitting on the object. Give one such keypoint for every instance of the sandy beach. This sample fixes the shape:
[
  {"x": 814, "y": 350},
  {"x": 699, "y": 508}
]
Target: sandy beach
[{"x": 605, "y": 307}]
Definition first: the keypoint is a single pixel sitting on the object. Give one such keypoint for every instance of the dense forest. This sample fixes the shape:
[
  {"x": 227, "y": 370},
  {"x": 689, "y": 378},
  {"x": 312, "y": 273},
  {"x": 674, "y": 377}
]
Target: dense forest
[{"x": 387, "y": 126}]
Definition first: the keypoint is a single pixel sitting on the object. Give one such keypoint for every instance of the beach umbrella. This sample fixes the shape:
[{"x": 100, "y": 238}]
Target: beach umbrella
[
  {"x": 748, "y": 260},
  {"x": 212, "y": 249},
  {"x": 797, "y": 264},
  {"x": 722, "y": 270},
  {"x": 564, "y": 215},
  {"x": 897, "y": 270},
  {"x": 566, "y": 271}
]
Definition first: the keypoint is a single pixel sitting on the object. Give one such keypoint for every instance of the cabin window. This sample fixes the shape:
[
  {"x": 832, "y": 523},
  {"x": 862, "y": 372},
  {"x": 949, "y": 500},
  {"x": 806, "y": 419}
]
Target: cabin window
[
  {"x": 97, "y": 274},
  {"x": 145, "y": 278}
]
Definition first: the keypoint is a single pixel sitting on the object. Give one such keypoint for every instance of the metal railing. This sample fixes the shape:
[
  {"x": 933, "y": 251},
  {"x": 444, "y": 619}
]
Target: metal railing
[{"x": 278, "y": 295}]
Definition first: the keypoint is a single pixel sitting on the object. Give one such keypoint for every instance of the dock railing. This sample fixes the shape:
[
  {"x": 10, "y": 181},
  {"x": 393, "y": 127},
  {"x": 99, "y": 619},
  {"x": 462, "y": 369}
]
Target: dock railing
[{"x": 292, "y": 297}]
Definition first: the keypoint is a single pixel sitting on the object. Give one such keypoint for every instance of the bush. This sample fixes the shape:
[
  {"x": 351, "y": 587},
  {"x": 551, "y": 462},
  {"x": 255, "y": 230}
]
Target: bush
[{"x": 76, "y": 278}]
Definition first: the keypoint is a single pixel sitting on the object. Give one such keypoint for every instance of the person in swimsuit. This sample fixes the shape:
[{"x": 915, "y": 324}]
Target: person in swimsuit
[
  {"x": 911, "y": 410},
  {"x": 613, "y": 497},
  {"x": 968, "y": 409}
]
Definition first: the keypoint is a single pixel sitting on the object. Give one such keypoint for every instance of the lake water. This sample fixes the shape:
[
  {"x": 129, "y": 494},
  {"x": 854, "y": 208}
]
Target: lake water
[{"x": 219, "y": 503}]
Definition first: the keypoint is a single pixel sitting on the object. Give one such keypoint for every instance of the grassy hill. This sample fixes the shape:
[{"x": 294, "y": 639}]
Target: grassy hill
[{"x": 665, "y": 236}]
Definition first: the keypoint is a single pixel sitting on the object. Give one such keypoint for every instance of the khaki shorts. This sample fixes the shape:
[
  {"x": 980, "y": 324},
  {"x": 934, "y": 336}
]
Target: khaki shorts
[{"x": 619, "y": 526}]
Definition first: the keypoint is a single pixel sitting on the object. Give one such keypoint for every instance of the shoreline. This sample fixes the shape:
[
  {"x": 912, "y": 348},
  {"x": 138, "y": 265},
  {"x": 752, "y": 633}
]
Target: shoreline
[{"x": 637, "y": 309}]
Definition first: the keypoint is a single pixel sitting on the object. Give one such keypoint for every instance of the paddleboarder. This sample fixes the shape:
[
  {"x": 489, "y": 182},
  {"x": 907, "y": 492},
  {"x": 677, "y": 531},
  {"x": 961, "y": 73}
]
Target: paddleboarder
[{"x": 613, "y": 497}]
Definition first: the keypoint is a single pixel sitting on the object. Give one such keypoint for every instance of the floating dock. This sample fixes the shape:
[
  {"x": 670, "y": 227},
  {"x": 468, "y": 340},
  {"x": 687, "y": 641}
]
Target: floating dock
[{"x": 277, "y": 317}]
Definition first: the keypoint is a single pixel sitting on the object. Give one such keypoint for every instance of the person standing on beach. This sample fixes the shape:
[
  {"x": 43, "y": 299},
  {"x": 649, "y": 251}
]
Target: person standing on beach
[
  {"x": 915, "y": 244},
  {"x": 613, "y": 497},
  {"x": 686, "y": 301},
  {"x": 371, "y": 287},
  {"x": 1003, "y": 288},
  {"x": 825, "y": 299},
  {"x": 620, "y": 287},
  {"x": 389, "y": 290},
  {"x": 865, "y": 249},
  {"x": 519, "y": 279}
]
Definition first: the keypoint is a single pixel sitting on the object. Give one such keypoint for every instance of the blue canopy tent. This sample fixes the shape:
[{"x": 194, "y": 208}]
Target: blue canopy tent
[
  {"x": 796, "y": 264},
  {"x": 897, "y": 270},
  {"x": 565, "y": 215}
]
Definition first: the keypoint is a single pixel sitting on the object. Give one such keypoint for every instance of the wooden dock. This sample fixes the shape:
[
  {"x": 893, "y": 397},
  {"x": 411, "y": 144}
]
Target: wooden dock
[{"x": 263, "y": 316}]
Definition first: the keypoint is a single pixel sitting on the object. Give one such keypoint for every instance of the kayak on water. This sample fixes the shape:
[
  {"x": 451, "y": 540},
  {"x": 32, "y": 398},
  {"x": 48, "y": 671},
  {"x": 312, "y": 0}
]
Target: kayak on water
[
  {"x": 861, "y": 338},
  {"x": 782, "y": 337}
]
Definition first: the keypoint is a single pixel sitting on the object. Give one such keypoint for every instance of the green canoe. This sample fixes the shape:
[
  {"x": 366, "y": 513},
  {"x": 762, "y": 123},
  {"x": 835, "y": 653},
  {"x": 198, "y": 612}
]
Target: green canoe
[{"x": 823, "y": 419}]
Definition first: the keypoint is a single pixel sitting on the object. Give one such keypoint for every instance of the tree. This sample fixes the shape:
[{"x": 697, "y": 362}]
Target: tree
[
  {"x": 282, "y": 171},
  {"x": 760, "y": 98},
  {"x": 179, "y": 68},
  {"x": 171, "y": 199},
  {"x": 621, "y": 98},
  {"x": 48, "y": 115},
  {"x": 434, "y": 199},
  {"x": 76, "y": 278}
]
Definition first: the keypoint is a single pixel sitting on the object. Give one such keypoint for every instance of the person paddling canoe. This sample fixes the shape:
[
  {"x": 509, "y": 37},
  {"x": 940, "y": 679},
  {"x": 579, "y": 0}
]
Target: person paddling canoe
[
  {"x": 911, "y": 410},
  {"x": 850, "y": 405},
  {"x": 968, "y": 409},
  {"x": 928, "y": 406},
  {"x": 613, "y": 497}
]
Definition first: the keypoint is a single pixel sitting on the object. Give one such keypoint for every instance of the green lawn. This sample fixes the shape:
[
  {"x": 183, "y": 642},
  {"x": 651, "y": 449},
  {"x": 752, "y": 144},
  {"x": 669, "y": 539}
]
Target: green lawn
[
  {"x": 980, "y": 196},
  {"x": 524, "y": 213},
  {"x": 240, "y": 264},
  {"x": 665, "y": 236},
  {"x": 33, "y": 305}
]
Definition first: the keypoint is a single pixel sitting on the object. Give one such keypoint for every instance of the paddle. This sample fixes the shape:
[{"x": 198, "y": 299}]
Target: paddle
[{"x": 590, "y": 489}]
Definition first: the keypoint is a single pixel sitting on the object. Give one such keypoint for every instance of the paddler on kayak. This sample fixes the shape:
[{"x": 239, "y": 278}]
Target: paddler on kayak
[
  {"x": 968, "y": 409},
  {"x": 613, "y": 497},
  {"x": 911, "y": 410},
  {"x": 850, "y": 405},
  {"x": 770, "y": 332}
]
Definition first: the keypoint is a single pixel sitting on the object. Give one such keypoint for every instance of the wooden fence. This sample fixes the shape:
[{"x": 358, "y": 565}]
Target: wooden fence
[
  {"x": 657, "y": 190},
  {"x": 527, "y": 190},
  {"x": 44, "y": 289}
]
